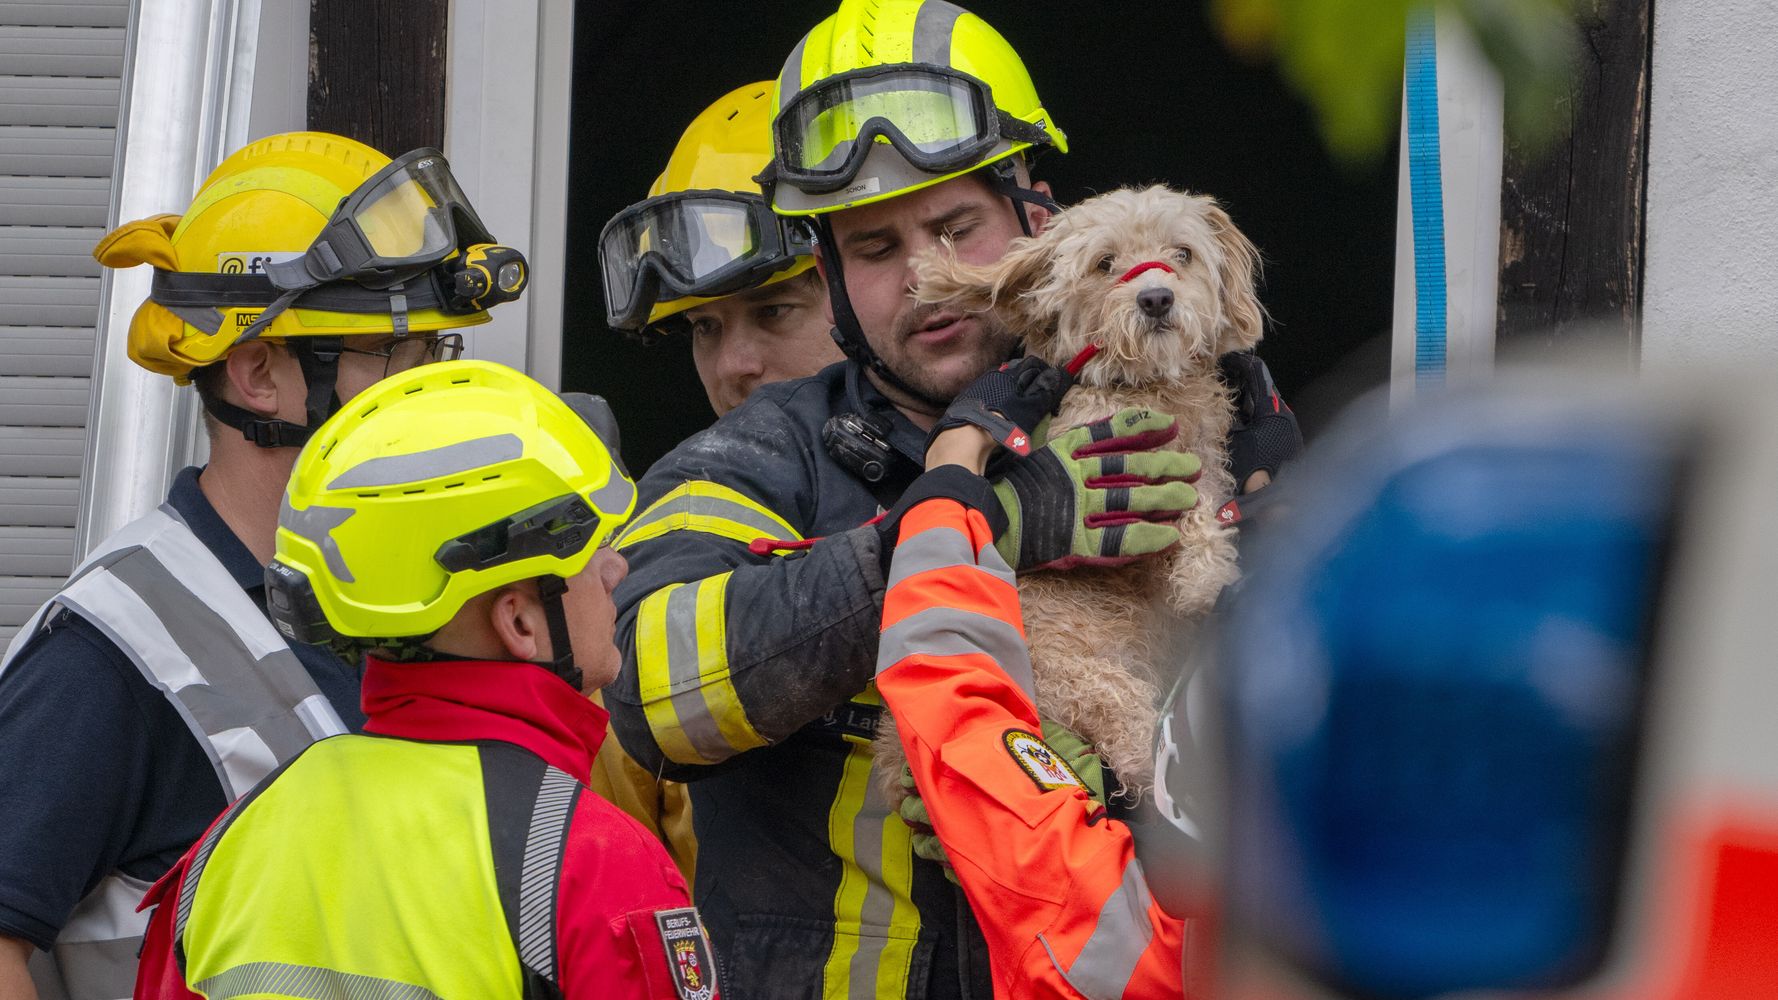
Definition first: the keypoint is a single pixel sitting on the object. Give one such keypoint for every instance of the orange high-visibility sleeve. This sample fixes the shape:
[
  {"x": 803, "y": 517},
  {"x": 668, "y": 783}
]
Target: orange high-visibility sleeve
[{"x": 1054, "y": 883}]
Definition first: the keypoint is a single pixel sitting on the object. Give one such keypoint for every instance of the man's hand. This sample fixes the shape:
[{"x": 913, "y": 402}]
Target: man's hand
[
  {"x": 1007, "y": 403},
  {"x": 1098, "y": 495},
  {"x": 1265, "y": 434}
]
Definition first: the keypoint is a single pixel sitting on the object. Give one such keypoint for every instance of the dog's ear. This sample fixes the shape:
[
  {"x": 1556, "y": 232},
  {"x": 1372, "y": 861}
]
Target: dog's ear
[
  {"x": 1002, "y": 287},
  {"x": 1243, "y": 317}
]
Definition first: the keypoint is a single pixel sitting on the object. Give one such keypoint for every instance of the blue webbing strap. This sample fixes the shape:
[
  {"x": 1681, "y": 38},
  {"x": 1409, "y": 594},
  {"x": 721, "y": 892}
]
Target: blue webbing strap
[{"x": 1426, "y": 190}]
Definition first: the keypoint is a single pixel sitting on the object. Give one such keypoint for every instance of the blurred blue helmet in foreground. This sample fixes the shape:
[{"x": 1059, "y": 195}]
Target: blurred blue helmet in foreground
[{"x": 1433, "y": 686}]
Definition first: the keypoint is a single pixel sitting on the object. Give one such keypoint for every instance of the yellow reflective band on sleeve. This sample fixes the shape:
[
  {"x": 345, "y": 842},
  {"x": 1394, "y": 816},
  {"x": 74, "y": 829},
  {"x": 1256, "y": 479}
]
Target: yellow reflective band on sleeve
[
  {"x": 682, "y": 669},
  {"x": 876, "y": 924},
  {"x": 712, "y": 508}
]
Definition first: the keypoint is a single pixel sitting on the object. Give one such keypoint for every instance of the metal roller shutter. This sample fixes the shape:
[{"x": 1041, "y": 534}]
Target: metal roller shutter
[{"x": 60, "y": 64}]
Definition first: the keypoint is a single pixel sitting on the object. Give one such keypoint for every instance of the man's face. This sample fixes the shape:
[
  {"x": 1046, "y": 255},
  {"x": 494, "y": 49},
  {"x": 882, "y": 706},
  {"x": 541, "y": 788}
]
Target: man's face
[
  {"x": 592, "y": 618},
  {"x": 770, "y": 334},
  {"x": 935, "y": 349}
]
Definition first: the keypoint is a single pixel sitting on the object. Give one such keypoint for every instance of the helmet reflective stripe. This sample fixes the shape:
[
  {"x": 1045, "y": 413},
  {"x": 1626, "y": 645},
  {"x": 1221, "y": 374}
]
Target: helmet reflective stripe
[
  {"x": 315, "y": 525},
  {"x": 197, "y": 637},
  {"x": 932, "y": 33},
  {"x": 445, "y": 460}
]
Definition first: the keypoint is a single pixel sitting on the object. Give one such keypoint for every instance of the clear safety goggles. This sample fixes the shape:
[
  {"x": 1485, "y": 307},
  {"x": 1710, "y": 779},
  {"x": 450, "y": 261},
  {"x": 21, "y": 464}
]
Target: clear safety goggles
[
  {"x": 405, "y": 218},
  {"x": 938, "y": 119},
  {"x": 702, "y": 243}
]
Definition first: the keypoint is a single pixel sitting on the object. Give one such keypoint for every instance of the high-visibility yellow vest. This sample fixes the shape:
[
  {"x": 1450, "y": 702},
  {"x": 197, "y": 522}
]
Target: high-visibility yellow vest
[{"x": 383, "y": 867}]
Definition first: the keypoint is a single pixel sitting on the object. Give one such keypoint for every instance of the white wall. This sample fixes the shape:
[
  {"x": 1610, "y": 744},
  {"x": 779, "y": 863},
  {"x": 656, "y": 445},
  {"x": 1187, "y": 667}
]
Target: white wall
[
  {"x": 508, "y": 84},
  {"x": 1711, "y": 277}
]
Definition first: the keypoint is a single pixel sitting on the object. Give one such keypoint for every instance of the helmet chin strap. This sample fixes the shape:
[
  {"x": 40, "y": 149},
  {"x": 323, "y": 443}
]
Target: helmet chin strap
[
  {"x": 1003, "y": 177},
  {"x": 551, "y": 589},
  {"x": 847, "y": 332},
  {"x": 319, "y": 359}
]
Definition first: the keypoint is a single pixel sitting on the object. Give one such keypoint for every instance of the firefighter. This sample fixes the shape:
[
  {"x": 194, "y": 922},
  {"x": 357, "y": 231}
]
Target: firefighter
[
  {"x": 152, "y": 690},
  {"x": 703, "y": 256},
  {"x": 749, "y": 621},
  {"x": 452, "y": 522}
]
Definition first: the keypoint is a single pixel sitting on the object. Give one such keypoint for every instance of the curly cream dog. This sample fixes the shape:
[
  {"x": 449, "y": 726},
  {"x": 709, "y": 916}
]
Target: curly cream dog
[{"x": 1161, "y": 327}]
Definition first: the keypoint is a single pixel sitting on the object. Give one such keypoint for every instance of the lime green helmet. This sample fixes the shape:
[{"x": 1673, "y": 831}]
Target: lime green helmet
[
  {"x": 433, "y": 486},
  {"x": 890, "y": 96}
]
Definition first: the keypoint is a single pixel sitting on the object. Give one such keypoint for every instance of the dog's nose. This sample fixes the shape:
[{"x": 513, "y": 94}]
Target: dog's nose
[{"x": 1155, "y": 301}]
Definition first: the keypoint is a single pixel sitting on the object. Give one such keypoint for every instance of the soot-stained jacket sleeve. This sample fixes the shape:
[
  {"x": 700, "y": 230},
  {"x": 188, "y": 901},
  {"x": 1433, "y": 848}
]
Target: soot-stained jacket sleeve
[{"x": 725, "y": 648}]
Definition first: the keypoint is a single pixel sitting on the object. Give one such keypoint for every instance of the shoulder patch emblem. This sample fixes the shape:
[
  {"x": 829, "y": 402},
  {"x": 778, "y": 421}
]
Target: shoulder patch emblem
[
  {"x": 688, "y": 953},
  {"x": 1041, "y": 764}
]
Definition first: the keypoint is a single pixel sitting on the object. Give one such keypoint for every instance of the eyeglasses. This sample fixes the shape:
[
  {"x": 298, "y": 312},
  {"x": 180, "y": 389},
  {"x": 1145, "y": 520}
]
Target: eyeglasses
[{"x": 411, "y": 352}]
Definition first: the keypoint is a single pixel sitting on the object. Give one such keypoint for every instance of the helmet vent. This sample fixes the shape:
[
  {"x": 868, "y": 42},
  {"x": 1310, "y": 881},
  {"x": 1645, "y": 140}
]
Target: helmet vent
[
  {"x": 452, "y": 486},
  {"x": 494, "y": 476},
  {"x": 414, "y": 389}
]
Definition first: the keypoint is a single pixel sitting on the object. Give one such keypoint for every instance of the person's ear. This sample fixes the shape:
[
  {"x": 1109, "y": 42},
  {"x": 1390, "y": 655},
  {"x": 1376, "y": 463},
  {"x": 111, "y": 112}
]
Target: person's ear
[
  {"x": 252, "y": 376},
  {"x": 516, "y": 617},
  {"x": 1040, "y": 215}
]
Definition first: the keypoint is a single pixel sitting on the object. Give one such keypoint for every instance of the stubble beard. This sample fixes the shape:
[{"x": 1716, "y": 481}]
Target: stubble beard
[{"x": 992, "y": 346}]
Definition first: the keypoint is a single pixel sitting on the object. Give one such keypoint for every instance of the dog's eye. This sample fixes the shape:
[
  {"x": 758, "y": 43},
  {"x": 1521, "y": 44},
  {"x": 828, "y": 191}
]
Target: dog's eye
[
  {"x": 1105, "y": 263},
  {"x": 1184, "y": 254}
]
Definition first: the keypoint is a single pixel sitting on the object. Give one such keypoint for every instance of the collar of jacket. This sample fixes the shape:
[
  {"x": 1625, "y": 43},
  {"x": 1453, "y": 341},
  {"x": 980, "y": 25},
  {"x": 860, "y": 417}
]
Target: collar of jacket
[
  {"x": 864, "y": 397},
  {"x": 474, "y": 700}
]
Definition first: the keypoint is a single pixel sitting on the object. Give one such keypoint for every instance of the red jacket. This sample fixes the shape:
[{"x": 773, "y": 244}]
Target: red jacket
[
  {"x": 1054, "y": 883},
  {"x": 614, "y": 877}
]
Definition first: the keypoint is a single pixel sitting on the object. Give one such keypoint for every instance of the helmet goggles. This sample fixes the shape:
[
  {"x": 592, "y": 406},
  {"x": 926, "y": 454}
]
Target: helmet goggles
[
  {"x": 691, "y": 243},
  {"x": 939, "y": 119},
  {"x": 407, "y": 217}
]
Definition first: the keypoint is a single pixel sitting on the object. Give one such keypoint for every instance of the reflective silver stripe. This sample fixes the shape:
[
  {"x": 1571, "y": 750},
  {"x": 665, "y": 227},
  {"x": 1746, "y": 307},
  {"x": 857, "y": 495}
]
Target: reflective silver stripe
[
  {"x": 433, "y": 463},
  {"x": 952, "y": 632},
  {"x": 942, "y": 547},
  {"x": 279, "y": 979},
  {"x": 188, "y": 886},
  {"x": 95, "y": 956},
  {"x": 614, "y": 498},
  {"x": 316, "y": 524},
  {"x": 541, "y": 870},
  {"x": 879, "y": 904},
  {"x": 694, "y": 507},
  {"x": 1106, "y": 962},
  {"x": 791, "y": 79},
  {"x": 932, "y": 32},
  {"x": 696, "y": 718}
]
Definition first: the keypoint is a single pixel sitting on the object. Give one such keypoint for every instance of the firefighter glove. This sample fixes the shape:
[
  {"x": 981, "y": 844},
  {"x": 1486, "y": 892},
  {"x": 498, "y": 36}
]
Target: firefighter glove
[
  {"x": 1008, "y": 403},
  {"x": 1097, "y": 495},
  {"x": 1265, "y": 434}
]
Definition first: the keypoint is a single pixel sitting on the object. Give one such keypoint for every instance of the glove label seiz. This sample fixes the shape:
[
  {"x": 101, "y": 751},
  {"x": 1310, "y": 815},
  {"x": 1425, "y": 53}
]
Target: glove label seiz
[{"x": 1041, "y": 764}]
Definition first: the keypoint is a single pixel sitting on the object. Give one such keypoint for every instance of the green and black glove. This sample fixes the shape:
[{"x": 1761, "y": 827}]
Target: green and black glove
[
  {"x": 1097, "y": 495},
  {"x": 1063, "y": 741}
]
